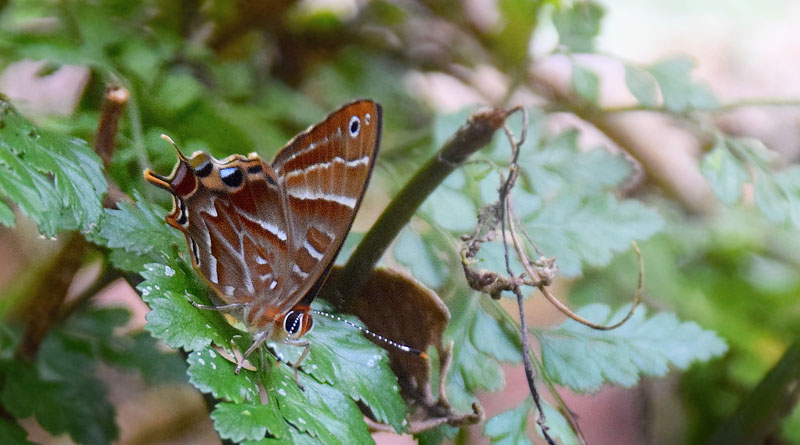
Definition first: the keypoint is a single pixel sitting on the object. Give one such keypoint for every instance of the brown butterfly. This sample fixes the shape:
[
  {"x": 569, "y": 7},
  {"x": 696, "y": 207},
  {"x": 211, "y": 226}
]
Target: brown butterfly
[{"x": 264, "y": 236}]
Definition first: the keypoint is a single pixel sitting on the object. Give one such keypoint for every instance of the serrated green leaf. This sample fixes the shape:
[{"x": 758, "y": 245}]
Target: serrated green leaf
[
  {"x": 471, "y": 370},
  {"x": 358, "y": 367},
  {"x": 211, "y": 373},
  {"x": 490, "y": 338},
  {"x": 560, "y": 163},
  {"x": 589, "y": 229},
  {"x": 54, "y": 179},
  {"x": 585, "y": 83},
  {"x": 725, "y": 172},
  {"x": 13, "y": 434},
  {"x": 320, "y": 411},
  {"x": 680, "y": 93},
  {"x": 172, "y": 318},
  {"x": 139, "y": 231},
  {"x": 578, "y": 24},
  {"x": 642, "y": 85},
  {"x": 583, "y": 359},
  {"x": 509, "y": 428},
  {"x": 248, "y": 421}
]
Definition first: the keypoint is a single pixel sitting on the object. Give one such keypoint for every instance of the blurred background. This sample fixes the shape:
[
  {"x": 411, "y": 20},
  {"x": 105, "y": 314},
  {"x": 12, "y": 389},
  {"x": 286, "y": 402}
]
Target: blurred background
[{"x": 246, "y": 76}]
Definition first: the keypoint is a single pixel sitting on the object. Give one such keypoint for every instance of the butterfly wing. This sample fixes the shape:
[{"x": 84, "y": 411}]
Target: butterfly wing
[
  {"x": 232, "y": 214},
  {"x": 323, "y": 173}
]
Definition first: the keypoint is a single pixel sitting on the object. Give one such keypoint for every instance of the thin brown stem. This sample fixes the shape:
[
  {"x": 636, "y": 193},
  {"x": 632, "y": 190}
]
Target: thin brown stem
[
  {"x": 47, "y": 297},
  {"x": 540, "y": 284}
]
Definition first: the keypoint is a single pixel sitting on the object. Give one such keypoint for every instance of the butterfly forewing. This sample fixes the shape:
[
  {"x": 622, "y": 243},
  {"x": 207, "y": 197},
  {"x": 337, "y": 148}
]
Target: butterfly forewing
[{"x": 266, "y": 235}]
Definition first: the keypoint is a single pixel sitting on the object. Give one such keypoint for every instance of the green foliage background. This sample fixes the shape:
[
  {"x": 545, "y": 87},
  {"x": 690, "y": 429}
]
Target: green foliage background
[{"x": 718, "y": 287}]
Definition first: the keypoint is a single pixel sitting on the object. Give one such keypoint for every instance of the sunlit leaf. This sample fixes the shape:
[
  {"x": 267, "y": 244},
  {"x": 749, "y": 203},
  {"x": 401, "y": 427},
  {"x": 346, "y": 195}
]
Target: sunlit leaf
[
  {"x": 583, "y": 359},
  {"x": 578, "y": 24},
  {"x": 642, "y": 85},
  {"x": 54, "y": 179},
  {"x": 585, "y": 83},
  {"x": 725, "y": 172},
  {"x": 589, "y": 229}
]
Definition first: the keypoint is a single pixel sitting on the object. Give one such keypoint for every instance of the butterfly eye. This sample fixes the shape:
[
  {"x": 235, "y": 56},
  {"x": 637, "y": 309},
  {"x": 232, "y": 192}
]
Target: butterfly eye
[
  {"x": 355, "y": 126},
  {"x": 293, "y": 323}
]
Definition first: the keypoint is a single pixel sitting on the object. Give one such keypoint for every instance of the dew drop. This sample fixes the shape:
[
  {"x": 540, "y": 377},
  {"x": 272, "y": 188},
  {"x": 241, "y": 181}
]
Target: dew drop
[
  {"x": 282, "y": 392},
  {"x": 168, "y": 271},
  {"x": 201, "y": 361},
  {"x": 211, "y": 352},
  {"x": 213, "y": 366},
  {"x": 301, "y": 420},
  {"x": 247, "y": 412}
]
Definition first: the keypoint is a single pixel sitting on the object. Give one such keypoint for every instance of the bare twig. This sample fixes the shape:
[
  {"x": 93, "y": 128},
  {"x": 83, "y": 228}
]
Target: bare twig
[{"x": 114, "y": 103}]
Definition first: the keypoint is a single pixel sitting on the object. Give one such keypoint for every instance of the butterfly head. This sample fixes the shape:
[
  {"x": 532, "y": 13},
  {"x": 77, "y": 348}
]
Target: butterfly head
[{"x": 295, "y": 323}]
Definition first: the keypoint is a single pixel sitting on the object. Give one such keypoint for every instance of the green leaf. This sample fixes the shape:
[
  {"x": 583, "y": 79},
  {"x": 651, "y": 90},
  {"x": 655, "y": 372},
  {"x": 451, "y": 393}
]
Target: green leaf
[
  {"x": 472, "y": 369},
  {"x": 451, "y": 209},
  {"x": 509, "y": 428},
  {"x": 177, "y": 92},
  {"x": 345, "y": 358},
  {"x": 585, "y": 83},
  {"x": 252, "y": 421},
  {"x": 139, "y": 235},
  {"x": 412, "y": 251},
  {"x": 678, "y": 90},
  {"x": 725, "y": 172},
  {"x": 320, "y": 411},
  {"x": 558, "y": 427},
  {"x": 6, "y": 215},
  {"x": 560, "y": 164},
  {"x": 642, "y": 85},
  {"x": 172, "y": 318},
  {"x": 589, "y": 229},
  {"x": 578, "y": 25},
  {"x": 60, "y": 391},
  {"x": 519, "y": 18},
  {"x": 56, "y": 180},
  {"x": 212, "y": 373},
  {"x": 13, "y": 434},
  {"x": 583, "y": 359}
]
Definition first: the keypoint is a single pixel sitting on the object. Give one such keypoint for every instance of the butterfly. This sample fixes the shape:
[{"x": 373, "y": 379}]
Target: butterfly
[{"x": 264, "y": 236}]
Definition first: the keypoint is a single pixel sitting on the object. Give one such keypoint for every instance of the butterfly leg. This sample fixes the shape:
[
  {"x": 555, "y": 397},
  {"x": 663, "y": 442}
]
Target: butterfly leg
[
  {"x": 306, "y": 345},
  {"x": 259, "y": 338}
]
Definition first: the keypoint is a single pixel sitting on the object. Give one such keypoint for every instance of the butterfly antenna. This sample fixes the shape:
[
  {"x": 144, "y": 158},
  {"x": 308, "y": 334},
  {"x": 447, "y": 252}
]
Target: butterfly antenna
[
  {"x": 177, "y": 150},
  {"x": 366, "y": 331}
]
